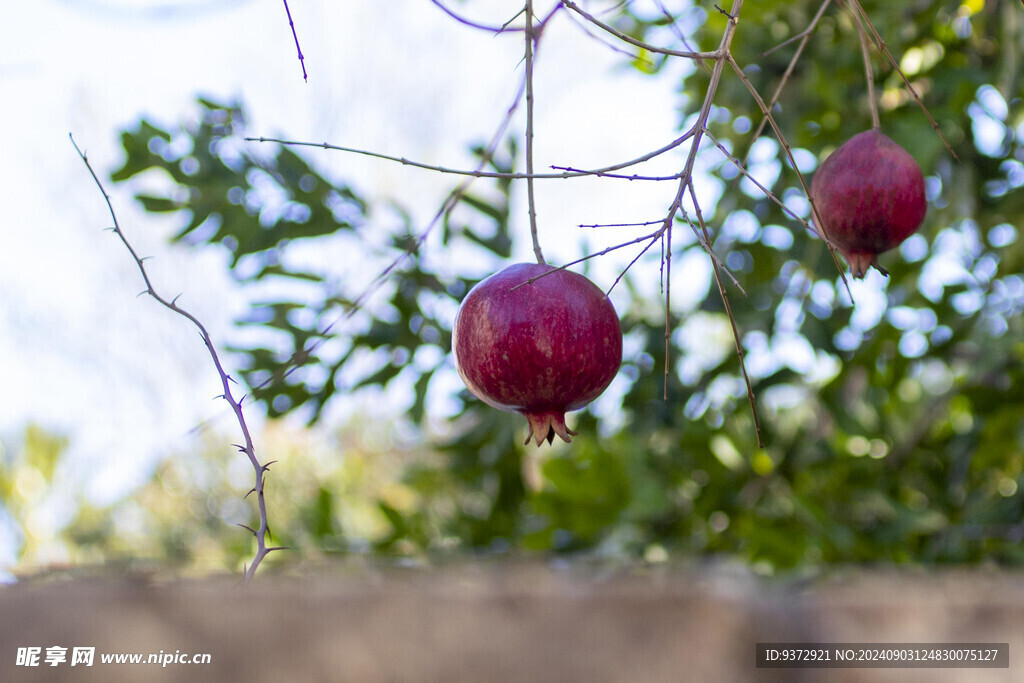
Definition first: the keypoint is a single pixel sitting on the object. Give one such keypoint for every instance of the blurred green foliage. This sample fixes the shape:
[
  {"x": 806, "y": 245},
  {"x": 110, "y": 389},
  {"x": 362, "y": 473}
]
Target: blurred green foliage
[{"x": 892, "y": 430}]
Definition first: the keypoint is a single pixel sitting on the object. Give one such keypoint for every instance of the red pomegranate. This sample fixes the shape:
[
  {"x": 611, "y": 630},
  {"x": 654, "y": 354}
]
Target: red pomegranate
[
  {"x": 538, "y": 348},
  {"x": 870, "y": 197}
]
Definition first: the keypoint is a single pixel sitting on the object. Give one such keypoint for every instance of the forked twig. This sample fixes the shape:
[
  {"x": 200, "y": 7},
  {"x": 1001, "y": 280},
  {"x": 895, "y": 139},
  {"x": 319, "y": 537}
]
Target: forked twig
[{"x": 262, "y": 550}]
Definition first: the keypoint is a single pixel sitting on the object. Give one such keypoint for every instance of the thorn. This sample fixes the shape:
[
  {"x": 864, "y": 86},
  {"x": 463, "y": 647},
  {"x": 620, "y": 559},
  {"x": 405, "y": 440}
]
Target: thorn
[
  {"x": 279, "y": 547},
  {"x": 731, "y": 17},
  {"x": 175, "y": 299},
  {"x": 267, "y": 466},
  {"x": 252, "y": 490},
  {"x": 246, "y": 526},
  {"x": 145, "y": 291}
]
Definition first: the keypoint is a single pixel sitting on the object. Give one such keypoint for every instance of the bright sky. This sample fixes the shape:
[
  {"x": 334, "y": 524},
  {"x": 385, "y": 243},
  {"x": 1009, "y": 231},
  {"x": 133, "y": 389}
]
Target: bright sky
[{"x": 123, "y": 378}]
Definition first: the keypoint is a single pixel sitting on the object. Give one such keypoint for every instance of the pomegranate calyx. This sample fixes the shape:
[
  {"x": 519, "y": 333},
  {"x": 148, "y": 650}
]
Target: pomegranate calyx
[
  {"x": 544, "y": 426},
  {"x": 860, "y": 261}
]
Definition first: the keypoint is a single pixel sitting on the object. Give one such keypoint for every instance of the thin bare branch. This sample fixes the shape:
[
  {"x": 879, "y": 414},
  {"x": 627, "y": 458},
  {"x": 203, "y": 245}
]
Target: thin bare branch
[
  {"x": 667, "y": 259},
  {"x": 652, "y": 237},
  {"x": 236, "y": 406},
  {"x": 737, "y": 337},
  {"x": 869, "y": 73},
  {"x": 585, "y": 28},
  {"x": 906, "y": 82},
  {"x": 633, "y": 41},
  {"x": 531, "y": 44},
  {"x": 698, "y": 129},
  {"x": 566, "y": 172},
  {"x": 504, "y": 28},
  {"x": 675, "y": 27},
  {"x": 768, "y": 193},
  {"x": 631, "y": 263},
  {"x": 637, "y": 224},
  {"x": 298, "y": 48},
  {"x": 803, "y": 37},
  {"x": 800, "y": 176}
]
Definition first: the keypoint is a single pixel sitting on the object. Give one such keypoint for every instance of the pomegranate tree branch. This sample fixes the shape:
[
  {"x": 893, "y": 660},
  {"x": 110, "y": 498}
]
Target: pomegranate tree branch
[
  {"x": 473, "y": 24},
  {"x": 638, "y": 43},
  {"x": 566, "y": 171},
  {"x": 531, "y": 44},
  {"x": 869, "y": 73},
  {"x": 651, "y": 243},
  {"x": 737, "y": 338},
  {"x": 792, "y": 162},
  {"x": 651, "y": 239},
  {"x": 906, "y": 82},
  {"x": 685, "y": 177},
  {"x": 804, "y": 36},
  {"x": 262, "y": 550},
  {"x": 667, "y": 261},
  {"x": 768, "y": 193},
  {"x": 298, "y": 48},
  {"x": 608, "y": 43}
]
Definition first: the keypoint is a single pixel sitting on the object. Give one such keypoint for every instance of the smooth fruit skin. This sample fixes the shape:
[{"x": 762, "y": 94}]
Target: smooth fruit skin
[
  {"x": 870, "y": 197},
  {"x": 539, "y": 348}
]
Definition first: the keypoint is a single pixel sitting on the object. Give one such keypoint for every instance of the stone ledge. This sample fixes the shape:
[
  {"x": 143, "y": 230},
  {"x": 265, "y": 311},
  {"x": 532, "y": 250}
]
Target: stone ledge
[{"x": 516, "y": 622}]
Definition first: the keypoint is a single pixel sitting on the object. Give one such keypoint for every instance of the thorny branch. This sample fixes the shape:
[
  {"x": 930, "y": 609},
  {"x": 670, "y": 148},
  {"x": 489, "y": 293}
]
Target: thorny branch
[{"x": 261, "y": 533}]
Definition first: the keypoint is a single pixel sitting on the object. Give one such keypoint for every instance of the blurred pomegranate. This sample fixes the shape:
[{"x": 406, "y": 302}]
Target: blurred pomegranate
[
  {"x": 870, "y": 196},
  {"x": 538, "y": 348}
]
